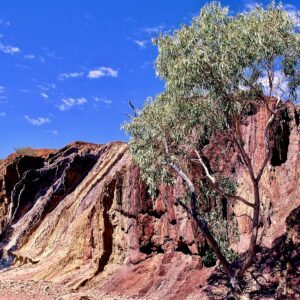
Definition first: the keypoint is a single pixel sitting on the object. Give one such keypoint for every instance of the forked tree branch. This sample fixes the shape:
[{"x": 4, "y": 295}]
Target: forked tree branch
[
  {"x": 212, "y": 182},
  {"x": 210, "y": 177}
]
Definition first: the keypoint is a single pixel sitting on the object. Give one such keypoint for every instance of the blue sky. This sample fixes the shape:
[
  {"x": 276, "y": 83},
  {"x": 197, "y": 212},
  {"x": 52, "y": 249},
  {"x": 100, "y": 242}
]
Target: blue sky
[{"x": 68, "y": 67}]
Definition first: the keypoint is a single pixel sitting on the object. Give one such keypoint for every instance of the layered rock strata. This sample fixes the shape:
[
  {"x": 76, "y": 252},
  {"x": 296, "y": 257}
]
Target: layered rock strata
[{"x": 82, "y": 216}]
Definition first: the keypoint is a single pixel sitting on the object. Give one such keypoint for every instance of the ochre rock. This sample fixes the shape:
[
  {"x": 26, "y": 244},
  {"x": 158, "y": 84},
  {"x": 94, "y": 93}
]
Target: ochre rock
[{"x": 82, "y": 216}]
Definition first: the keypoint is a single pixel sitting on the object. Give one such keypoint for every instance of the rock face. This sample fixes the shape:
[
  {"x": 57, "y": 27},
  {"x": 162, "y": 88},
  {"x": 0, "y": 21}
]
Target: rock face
[
  {"x": 279, "y": 185},
  {"x": 82, "y": 216}
]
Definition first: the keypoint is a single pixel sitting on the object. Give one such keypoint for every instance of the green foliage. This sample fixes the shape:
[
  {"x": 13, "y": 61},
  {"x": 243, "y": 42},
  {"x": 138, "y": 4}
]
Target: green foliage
[
  {"x": 25, "y": 151},
  {"x": 230, "y": 58},
  {"x": 213, "y": 69},
  {"x": 221, "y": 229},
  {"x": 166, "y": 123},
  {"x": 212, "y": 209}
]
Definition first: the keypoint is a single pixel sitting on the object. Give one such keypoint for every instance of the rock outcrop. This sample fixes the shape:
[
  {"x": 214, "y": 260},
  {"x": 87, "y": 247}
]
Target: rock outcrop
[{"x": 82, "y": 216}]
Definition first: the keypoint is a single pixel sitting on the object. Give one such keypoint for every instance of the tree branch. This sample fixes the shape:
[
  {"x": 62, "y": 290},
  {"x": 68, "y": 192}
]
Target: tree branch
[
  {"x": 210, "y": 177},
  {"x": 133, "y": 108},
  {"x": 208, "y": 236},
  {"x": 218, "y": 189},
  {"x": 183, "y": 176},
  {"x": 233, "y": 197}
]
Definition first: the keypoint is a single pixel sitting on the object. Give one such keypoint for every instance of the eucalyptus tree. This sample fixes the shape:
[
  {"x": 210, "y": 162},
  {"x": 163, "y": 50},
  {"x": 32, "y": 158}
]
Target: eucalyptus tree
[{"x": 214, "y": 70}]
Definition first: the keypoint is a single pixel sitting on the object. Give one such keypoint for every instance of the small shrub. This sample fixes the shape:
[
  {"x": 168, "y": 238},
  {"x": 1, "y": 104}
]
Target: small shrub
[{"x": 25, "y": 151}]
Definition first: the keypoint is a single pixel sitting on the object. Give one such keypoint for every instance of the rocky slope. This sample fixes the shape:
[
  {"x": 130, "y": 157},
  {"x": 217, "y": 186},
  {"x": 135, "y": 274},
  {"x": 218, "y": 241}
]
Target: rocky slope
[{"x": 81, "y": 217}]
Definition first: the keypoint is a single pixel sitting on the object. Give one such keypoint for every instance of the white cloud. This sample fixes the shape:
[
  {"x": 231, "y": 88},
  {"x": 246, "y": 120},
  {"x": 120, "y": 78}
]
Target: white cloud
[
  {"x": 102, "y": 72},
  {"x": 38, "y": 121},
  {"x": 44, "y": 95},
  {"x": 2, "y": 88},
  {"x": 68, "y": 103},
  {"x": 106, "y": 101},
  {"x": 54, "y": 132},
  {"x": 153, "y": 30},
  {"x": 64, "y": 76},
  {"x": 9, "y": 49},
  {"x": 2, "y": 114},
  {"x": 141, "y": 44},
  {"x": 46, "y": 87},
  {"x": 29, "y": 56}
]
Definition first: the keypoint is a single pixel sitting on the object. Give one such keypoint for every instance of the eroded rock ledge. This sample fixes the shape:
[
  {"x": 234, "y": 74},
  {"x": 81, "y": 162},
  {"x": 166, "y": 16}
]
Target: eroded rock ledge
[{"x": 81, "y": 216}]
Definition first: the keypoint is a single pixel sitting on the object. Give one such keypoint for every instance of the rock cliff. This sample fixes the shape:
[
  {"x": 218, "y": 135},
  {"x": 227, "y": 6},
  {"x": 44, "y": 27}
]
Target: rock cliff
[{"x": 82, "y": 216}]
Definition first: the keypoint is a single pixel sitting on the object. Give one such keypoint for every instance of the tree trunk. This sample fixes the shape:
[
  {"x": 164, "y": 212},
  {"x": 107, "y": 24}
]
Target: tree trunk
[
  {"x": 209, "y": 238},
  {"x": 205, "y": 230},
  {"x": 255, "y": 222}
]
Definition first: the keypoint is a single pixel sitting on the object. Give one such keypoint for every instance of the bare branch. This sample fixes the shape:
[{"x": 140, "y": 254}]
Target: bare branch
[
  {"x": 133, "y": 108},
  {"x": 229, "y": 196},
  {"x": 218, "y": 189},
  {"x": 129, "y": 116},
  {"x": 183, "y": 176},
  {"x": 211, "y": 178}
]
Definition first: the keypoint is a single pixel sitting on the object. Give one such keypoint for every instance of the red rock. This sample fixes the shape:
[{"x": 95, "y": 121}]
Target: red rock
[{"x": 93, "y": 223}]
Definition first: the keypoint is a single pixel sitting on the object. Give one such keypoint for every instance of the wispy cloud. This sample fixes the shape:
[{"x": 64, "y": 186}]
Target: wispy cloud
[
  {"x": 2, "y": 114},
  {"x": 154, "y": 29},
  {"x": 51, "y": 53},
  {"x": 64, "y": 76},
  {"x": 68, "y": 103},
  {"x": 104, "y": 100},
  {"x": 102, "y": 72},
  {"x": 54, "y": 132},
  {"x": 46, "y": 87},
  {"x": 141, "y": 44},
  {"x": 2, "y": 88},
  {"x": 44, "y": 95},
  {"x": 38, "y": 121},
  {"x": 4, "y": 22},
  {"x": 92, "y": 74},
  {"x": 29, "y": 56},
  {"x": 9, "y": 49}
]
